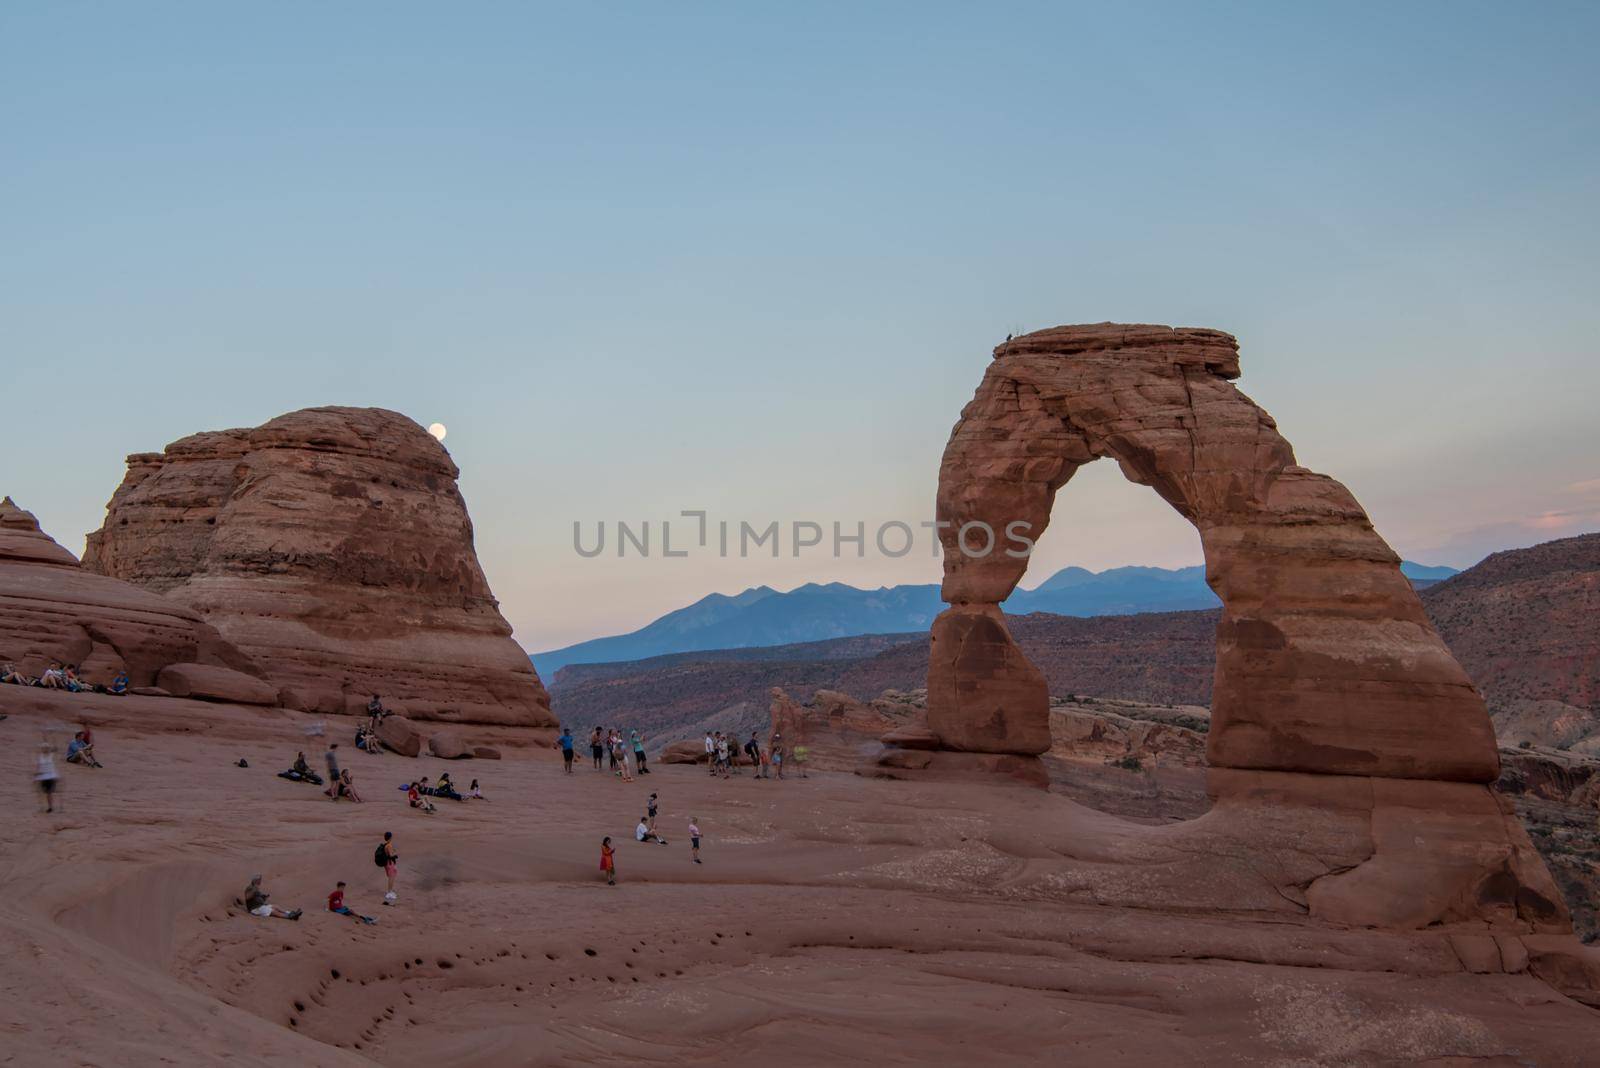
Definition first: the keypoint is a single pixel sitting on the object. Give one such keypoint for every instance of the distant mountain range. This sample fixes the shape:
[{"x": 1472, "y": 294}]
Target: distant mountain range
[{"x": 762, "y": 616}]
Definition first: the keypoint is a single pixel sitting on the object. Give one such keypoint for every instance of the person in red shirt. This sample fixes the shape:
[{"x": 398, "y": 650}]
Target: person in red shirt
[
  {"x": 336, "y": 904},
  {"x": 608, "y": 861}
]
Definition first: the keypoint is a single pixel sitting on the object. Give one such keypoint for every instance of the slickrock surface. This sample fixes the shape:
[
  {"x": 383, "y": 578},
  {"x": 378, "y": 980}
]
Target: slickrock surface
[
  {"x": 835, "y": 919},
  {"x": 1326, "y": 661},
  {"x": 333, "y": 546},
  {"x": 53, "y": 609}
]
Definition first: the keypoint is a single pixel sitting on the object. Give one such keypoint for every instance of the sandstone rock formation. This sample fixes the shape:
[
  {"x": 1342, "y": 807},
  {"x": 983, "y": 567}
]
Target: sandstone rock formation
[
  {"x": 1348, "y": 750},
  {"x": 53, "y": 609},
  {"x": 838, "y": 731},
  {"x": 333, "y": 546},
  {"x": 1325, "y": 659}
]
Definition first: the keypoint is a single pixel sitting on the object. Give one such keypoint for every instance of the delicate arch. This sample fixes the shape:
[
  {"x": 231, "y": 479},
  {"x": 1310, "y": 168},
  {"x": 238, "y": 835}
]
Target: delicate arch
[{"x": 1326, "y": 661}]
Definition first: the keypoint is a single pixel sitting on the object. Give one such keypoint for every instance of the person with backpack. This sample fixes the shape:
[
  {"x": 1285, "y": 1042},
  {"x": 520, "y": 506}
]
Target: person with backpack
[
  {"x": 752, "y": 749},
  {"x": 386, "y": 858}
]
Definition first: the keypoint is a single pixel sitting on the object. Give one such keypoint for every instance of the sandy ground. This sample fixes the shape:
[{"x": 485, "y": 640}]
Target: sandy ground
[{"x": 834, "y": 920}]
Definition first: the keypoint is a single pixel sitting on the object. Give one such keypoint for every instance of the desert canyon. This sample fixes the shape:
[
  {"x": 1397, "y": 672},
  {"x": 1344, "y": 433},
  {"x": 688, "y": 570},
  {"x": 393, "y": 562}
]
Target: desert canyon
[{"x": 1291, "y": 837}]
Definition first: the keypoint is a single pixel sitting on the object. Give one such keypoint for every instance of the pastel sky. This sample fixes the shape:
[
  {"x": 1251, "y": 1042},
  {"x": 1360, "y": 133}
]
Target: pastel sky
[{"x": 751, "y": 258}]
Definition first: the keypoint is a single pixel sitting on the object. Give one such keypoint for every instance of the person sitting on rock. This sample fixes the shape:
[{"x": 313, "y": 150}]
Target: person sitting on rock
[
  {"x": 336, "y": 904},
  {"x": 416, "y": 800},
  {"x": 361, "y": 737},
  {"x": 347, "y": 786},
  {"x": 300, "y": 771},
  {"x": 80, "y": 751},
  {"x": 10, "y": 674},
  {"x": 73, "y": 683},
  {"x": 255, "y": 901},
  {"x": 643, "y": 833},
  {"x": 53, "y": 678},
  {"x": 445, "y": 788},
  {"x": 475, "y": 791},
  {"x": 119, "y": 685}
]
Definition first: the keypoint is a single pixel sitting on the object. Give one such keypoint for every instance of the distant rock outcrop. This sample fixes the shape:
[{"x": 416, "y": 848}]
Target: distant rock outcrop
[
  {"x": 1525, "y": 623},
  {"x": 333, "y": 546},
  {"x": 839, "y": 732},
  {"x": 51, "y": 608}
]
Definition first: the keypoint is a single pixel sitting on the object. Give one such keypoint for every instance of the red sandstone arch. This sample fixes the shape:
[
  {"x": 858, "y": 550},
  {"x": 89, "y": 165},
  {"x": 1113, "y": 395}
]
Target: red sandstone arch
[{"x": 1325, "y": 659}]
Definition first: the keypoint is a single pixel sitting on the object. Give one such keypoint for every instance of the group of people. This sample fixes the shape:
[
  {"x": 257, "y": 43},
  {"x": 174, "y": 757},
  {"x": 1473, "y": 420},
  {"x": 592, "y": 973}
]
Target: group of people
[
  {"x": 80, "y": 751},
  {"x": 59, "y": 676},
  {"x": 722, "y": 756},
  {"x": 419, "y": 791},
  {"x": 257, "y": 901},
  {"x": 646, "y": 831},
  {"x": 608, "y": 743}
]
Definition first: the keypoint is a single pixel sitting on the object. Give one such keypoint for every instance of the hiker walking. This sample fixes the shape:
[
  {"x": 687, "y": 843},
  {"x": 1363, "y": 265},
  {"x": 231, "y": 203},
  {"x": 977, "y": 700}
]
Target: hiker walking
[{"x": 387, "y": 859}]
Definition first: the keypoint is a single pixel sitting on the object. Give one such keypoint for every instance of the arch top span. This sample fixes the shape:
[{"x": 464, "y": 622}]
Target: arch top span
[{"x": 1326, "y": 661}]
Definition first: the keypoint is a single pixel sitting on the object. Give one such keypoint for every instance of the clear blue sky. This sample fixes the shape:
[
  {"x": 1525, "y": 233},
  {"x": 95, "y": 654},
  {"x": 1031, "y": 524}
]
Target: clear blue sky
[{"x": 752, "y": 258}]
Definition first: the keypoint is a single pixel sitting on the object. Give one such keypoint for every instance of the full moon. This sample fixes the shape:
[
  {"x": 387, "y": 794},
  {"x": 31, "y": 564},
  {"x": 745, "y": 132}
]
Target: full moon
[{"x": 437, "y": 430}]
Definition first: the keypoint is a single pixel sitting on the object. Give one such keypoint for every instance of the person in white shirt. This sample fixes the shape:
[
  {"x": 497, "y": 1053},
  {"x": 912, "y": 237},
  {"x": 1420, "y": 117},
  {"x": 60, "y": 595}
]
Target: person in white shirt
[
  {"x": 46, "y": 776},
  {"x": 643, "y": 833}
]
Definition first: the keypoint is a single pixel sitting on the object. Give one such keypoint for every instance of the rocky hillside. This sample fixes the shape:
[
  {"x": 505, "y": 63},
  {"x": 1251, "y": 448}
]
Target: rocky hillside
[{"x": 1526, "y": 626}]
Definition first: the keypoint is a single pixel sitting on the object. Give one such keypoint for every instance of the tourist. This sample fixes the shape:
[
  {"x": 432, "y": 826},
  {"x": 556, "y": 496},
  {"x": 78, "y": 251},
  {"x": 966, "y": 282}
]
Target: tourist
[
  {"x": 336, "y": 904},
  {"x": 445, "y": 788},
  {"x": 416, "y": 800},
  {"x": 45, "y": 775},
  {"x": 81, "y": 752},
  {"x": 694, "y": 838},
  {"x": 332, "y": 758},
  {"x": 722, "y": 755},
  {"x": 475, "y": 792},
  {"x": 608, "y": 861},
  {"x": 638, "y": 754},
  {"x": 643, "y": 833},
  {"x": 386, "y": 858},
  {"x": 613, "y": 746},
  {"x": 764, "y": 757},
  {"x": 752, "y": 749},
  {"x": 10, "y": 674},
  {"x": 361, "y": 737},
  {"x": 119, "y": 685},
  {"x": 73, "y": 683},
  {"x": 622, "y": 763},
  {"x": 711, "y": 754},
  {"x": 53, "y": 678},
  {"x": 650, "y": 811},
  {"x": 423, "y": 787},
  {"x": 596, "y": 747},
  {"x": 801, "y": 755},
  {"x": 300, "y": 771},
  {"x": 777, "y": 755},
  {"x": 564, "y": 743},
  {"x": 255, "y": 902},
  {"x": 347, "y": 787}
]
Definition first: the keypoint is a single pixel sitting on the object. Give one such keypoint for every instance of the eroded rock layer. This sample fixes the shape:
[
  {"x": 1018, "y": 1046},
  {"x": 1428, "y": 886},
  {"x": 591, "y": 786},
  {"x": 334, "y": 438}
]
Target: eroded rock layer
[
  {"x": 333, "y": 545},
  {"x": 1326, "y": 661},
  {"x": 52, "y": 609}
]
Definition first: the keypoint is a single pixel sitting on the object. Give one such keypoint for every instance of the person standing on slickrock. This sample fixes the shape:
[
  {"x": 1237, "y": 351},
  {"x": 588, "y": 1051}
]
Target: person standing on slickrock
[
  {"x": 564, "y": 743},
  {"x": 711, "y": 754},
  {"x": 694, "y": 838},
  {"x": 638, "y": 754},
  {"x": 596, "y": 747},
  {"x": 45, "y": 776},
  {"x": 332, "y": 757},
  {"x": 608, "y": 861},
  {"x": 388, "y": 859}
]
